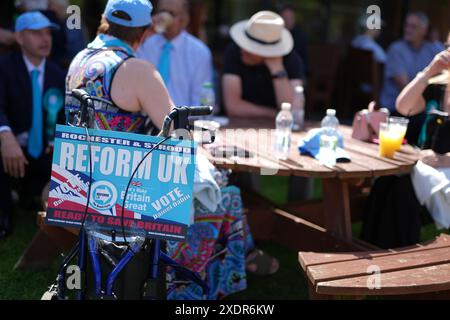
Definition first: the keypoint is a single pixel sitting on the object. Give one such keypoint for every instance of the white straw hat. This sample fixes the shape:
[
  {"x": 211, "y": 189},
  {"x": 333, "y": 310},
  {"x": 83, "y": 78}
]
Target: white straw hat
[{"x": 264, "y": 35}]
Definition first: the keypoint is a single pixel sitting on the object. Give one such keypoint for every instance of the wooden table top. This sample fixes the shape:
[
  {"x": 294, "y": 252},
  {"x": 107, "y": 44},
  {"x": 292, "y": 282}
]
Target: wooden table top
[{"x": 365, "y": 160}]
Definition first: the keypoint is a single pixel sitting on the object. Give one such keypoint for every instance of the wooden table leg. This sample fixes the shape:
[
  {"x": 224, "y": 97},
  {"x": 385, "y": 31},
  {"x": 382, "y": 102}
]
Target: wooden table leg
[{"x": 336, "y": 201}]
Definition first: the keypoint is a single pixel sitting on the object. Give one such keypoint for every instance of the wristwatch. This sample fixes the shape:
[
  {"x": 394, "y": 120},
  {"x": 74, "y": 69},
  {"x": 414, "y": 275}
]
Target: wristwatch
[{"x": 280, "y": 74}]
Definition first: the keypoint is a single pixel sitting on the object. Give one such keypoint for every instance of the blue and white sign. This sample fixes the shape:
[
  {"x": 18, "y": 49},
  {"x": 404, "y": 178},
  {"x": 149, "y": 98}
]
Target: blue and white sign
[{"x": 159, "y": 199}]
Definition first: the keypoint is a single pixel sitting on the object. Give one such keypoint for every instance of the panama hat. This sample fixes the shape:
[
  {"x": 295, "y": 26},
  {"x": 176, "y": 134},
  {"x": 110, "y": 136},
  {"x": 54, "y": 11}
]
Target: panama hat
[{"x": 264, "y": 35}]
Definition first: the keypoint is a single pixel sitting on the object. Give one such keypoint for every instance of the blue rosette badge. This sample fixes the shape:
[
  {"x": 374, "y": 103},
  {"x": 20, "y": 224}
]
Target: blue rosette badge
[{"x": 53, "y": 103}]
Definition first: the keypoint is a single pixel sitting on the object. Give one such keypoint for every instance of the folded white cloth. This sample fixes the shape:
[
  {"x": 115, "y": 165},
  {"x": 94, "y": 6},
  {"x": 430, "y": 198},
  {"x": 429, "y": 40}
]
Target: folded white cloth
[
  {"x": 206, "y": 189},
  {"x": 432, "y": 187}
]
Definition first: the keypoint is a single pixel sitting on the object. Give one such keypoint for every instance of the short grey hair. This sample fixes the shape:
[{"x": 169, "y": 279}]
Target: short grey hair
[{"x": 422, "y": 16}]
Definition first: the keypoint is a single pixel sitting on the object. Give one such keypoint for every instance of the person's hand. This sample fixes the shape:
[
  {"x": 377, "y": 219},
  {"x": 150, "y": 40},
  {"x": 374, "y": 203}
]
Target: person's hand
[
  {"x": 435, "y": 160},
  {"x": 14, "y": 161},
  {"x": 440, "y": 62},
  {"x": 162, "y": 21},
  {"x": 274, "y": 64}
]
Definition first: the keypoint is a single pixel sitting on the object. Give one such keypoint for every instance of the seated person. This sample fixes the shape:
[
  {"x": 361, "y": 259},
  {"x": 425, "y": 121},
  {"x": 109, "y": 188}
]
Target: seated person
[
  {"x": 184, "y": 62},
  {"x": 31, "y": 98},
  {"x": 405, "y": 58},
  {"x": 126, "y": 84},
  {"x": 417, "y": 96},
  {"x": 367, "y": 41},
  {"x": 396, "y": 210},
  {"x": 260, "y": 69}
]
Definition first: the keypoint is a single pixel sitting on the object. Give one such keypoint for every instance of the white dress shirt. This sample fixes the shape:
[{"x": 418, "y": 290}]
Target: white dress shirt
[
  {"x": 190, "y": 65},
  {"x": 23, "y": 138}
]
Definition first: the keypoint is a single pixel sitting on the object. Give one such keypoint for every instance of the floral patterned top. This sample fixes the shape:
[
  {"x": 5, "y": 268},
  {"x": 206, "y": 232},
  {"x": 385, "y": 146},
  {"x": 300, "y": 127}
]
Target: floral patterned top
[{"x": 93, "y": 70}]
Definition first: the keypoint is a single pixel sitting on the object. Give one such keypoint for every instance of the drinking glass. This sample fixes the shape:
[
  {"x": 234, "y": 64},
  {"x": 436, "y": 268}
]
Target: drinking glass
[{"x": 398, "y": 126}]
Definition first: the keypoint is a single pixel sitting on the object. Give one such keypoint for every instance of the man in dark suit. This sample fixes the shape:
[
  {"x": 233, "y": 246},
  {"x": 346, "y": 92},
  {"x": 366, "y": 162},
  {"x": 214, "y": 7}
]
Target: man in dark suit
[{"x": 31, "y": 103}]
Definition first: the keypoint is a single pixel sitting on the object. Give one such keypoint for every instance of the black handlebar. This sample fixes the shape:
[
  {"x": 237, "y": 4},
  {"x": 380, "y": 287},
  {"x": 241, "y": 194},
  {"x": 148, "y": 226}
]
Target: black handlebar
[
  {"x": 200, "y": 110},
  {"x": 180, "y": 117},
  {"x": 85, "y": 100},
  {"x": 81, "y": 95}
]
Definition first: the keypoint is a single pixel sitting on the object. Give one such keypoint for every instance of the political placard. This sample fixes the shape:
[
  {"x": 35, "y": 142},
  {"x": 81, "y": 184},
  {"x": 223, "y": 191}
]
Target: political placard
[{"x": 159, "y": 199}]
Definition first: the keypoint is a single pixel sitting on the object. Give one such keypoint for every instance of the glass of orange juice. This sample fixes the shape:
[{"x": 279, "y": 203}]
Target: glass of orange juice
[
  {"x": 398, "y": 126},
  {"x": 390, "y": 140}
]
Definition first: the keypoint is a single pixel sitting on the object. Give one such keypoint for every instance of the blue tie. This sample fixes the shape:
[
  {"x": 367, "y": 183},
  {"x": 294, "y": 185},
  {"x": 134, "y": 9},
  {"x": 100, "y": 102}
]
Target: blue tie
[
  {"x": 35, "y": 143},
  {"x": 164, "y": 63}
]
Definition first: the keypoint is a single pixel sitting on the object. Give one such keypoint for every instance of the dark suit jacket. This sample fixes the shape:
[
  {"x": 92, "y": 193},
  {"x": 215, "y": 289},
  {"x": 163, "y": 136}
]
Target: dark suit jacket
[{"x": 16, "y": 106}]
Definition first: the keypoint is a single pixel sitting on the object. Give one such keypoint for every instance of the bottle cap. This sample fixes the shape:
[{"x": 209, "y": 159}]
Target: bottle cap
[
  {"x": 299, "y": 89},
  {"x": 331, "y": 112},
  {"x": 207, "y": 85},
  {"x": 286, "y": 106}
]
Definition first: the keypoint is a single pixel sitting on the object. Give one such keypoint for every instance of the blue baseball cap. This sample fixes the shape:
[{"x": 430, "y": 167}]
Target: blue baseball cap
[
  {"x": 33, "y": 20},
  {"x": 139, "y": 12},
  {"x": 310, "y": 146}
]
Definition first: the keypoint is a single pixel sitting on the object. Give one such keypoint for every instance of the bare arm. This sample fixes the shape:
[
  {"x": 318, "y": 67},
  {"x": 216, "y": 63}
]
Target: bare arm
[
  {"x": 154, "y": 97},
  {"x": 284, "y": 90},
  {"x": 411, "y": 101},
  {"x": 138, "y": 87},
  {"x": 236, "y": 106},
  {"x": 437, "y": 161},
  {"x": 14, "y": 161}
]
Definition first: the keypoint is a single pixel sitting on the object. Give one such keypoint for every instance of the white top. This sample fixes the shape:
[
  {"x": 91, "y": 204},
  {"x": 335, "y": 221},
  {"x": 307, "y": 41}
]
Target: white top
[
  {"x": 40, "y": 67},
  {"x": 190, "y": 65},
  {"x": 31, "y": 67},
  {"x": 432, "y": 187}
]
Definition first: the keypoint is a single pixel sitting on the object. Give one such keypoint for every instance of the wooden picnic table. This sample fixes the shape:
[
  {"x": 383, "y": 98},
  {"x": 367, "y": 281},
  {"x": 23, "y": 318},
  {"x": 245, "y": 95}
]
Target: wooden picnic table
[
  {"x": 336, "y": 208},
  {"x": 365, "y": 163}
]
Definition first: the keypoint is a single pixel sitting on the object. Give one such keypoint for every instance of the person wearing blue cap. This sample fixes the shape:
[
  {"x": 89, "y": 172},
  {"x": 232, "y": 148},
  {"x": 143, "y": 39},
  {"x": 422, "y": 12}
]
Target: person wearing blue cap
[
  {"x": 31, "y": 98},
  {"x": 108, "y": 69},
  {"x": 129, "y": 87}
]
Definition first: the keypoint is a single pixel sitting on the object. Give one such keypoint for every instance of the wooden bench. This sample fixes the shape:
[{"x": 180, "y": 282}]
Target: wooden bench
[{"x": 416, "y": 271}]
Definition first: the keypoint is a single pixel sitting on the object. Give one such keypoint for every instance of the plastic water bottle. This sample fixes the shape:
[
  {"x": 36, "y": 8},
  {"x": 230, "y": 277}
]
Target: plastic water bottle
[
  {"x": 329, "y": 139},
  {"x": 284, "y": 123},
  {"x": 208, "y": 96},
  {"x": 299, "y": 109}
]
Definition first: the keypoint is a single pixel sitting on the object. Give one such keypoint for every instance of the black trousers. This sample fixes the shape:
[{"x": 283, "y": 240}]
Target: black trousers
[
  {"x": 37, "y": 175},
  {"x": 394, "y": 217}
]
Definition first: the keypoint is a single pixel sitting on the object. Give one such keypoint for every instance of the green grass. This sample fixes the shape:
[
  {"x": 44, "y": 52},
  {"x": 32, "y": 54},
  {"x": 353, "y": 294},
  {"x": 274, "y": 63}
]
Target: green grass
[
  {"x": 287, "y": 284},
  {"x": 275, "y": 188},
  {"x": 23, "y": 284}
]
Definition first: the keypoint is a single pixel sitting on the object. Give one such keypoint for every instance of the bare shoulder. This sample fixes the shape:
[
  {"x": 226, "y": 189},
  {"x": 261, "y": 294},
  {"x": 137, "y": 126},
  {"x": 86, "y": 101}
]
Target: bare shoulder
[{"x": 138, "y": 66}]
